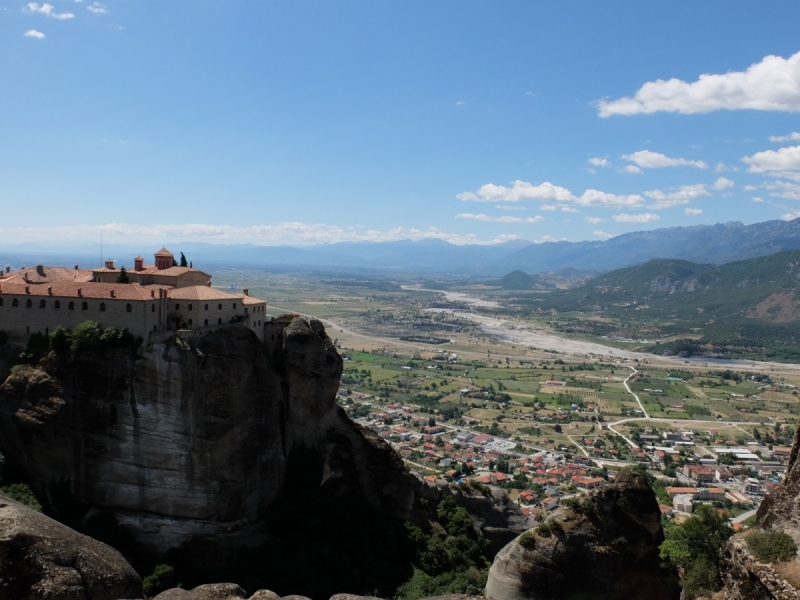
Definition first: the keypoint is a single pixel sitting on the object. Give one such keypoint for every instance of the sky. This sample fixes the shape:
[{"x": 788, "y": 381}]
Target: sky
[{"x": 303, "y": 122}]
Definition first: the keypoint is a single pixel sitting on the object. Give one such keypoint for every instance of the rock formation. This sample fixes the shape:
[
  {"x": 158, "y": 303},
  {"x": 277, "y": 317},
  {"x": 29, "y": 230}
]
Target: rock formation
[
  {"x": 42, "y": 559},
  {"x": 192, "y": 436},
  {"x": 747, "y": 578},
  {"x": 605, "y": 547}
]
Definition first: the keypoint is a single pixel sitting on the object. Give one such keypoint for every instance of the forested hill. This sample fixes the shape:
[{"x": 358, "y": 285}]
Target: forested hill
[{"x": 749, "y": 307}]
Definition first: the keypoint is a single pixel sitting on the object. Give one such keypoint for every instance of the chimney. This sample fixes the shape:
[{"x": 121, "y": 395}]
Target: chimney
[
  {"x": 246, "y": 292},
  {"x": 27, "y": 289},
  {"x": 152, "y": 293},
  {"x": 40, "y": 270},
  {"x": 80, "y": 292},
  {"x": 113, "y": 295},
  {"x": 8, "y": 269},
  {"x": 76, "y": 267},
  {"x": 49, "y": 291},
  {"x": 138, "y": 264},
  {"x": 109, "y": 264}
]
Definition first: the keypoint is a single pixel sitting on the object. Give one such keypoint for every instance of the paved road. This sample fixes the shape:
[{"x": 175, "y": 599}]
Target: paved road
[{"x": 744, "y": 516}]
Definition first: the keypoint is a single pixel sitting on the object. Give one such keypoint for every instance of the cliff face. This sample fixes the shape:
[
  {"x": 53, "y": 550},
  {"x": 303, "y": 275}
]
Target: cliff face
[
  {"x": 193, "y": 437},
  {"x": 606, "y": 549}
]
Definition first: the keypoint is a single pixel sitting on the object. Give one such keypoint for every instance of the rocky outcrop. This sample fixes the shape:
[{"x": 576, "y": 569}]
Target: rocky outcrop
[
  {"x": 665, "y": 285},
  {"x": 193, "y": 437},
  {"x": 607, "y": 547},
  {"x": 42, "y": 559}
]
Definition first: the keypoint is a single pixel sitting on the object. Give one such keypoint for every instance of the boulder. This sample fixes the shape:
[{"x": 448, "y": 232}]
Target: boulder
[
  {"x": 211, "y": 591},
  {"x": 41, "y": 559},
  {"x": 608, "y": 547}
]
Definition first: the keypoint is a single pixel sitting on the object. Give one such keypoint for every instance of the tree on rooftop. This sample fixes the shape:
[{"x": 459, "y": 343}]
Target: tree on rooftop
[
  {"x": 184, "y": 262},
  {"x": 123, "y": 276}
]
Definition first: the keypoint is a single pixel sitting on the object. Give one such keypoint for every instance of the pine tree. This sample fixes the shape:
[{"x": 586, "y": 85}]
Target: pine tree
[{"x": 123, "y": 276}]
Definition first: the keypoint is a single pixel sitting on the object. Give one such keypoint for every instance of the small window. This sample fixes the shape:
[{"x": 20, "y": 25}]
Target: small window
[
  {"x": 71, "y": 306},
  {"x": 219, "y": 321},
  {"x": 205, "y": 322},
  {"x": 234, "y": 306},
  {"x": 153, "y": 308},
  {"x": 57, "y": 304},
  {"x": 219, "y": 307},
  {"x": 28, "y": 303},
  {"x": 177, "y": 307},
  {"x": 245, "y": 310},
  {"x": 190, "y": 307},
  {"x": 128, "y": 308},
  {"x": 15, "y": 302},
  {"x": 190, "y": 322},
  {"x": 1, "y": 302},
  {"x": 42, "y": 304},
  {"x": 206, "y": 307},
  {"x": 102, "y": 307},
  {"x": 85, "y": 306}
]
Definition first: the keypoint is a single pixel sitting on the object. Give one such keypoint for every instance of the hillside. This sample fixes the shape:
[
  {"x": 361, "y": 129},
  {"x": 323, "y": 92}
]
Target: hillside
[{"x": 748, "y": 307}]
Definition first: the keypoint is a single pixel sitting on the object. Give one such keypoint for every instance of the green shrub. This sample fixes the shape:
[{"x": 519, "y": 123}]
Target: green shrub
[
  {"x": 22, "y": 493},
  {"x": 527, "y": 540},
  {"x": 160, "y": 579},
  {"x": 770, "y": 545}
]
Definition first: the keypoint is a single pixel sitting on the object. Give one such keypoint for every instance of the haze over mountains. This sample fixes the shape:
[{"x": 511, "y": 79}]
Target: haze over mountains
[{"x": 720, "y": 243}]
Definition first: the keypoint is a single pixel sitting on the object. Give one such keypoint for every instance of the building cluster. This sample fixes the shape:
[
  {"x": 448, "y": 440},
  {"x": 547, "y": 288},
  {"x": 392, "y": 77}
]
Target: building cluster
[{"x": 147, "y": 299}]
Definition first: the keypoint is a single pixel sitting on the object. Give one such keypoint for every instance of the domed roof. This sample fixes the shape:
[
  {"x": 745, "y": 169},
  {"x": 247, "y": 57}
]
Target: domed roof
[{"x": 164, "y": 252}]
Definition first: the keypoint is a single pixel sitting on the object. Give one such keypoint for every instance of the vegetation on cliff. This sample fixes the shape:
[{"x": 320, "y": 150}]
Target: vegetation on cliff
[{"x": 694, "y": 546}]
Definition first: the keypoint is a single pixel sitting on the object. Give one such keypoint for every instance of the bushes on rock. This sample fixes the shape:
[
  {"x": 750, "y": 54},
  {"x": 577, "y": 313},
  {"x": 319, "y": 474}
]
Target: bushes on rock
[
  {"x": 527, "y": 540},
  {"x": 162, "y": 578},
  {"x": 21, "y": 492},
  {"x": 770, "y": 545}
]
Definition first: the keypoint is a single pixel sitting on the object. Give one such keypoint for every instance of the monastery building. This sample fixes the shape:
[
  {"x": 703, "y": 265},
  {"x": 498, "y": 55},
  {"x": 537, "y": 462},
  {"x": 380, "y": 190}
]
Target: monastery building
[{"x": 159, "y": 297}]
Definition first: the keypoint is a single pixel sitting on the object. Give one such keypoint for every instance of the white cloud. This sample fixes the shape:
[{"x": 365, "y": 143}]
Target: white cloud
[
  {"x": 599, "y": 162},
  {"x": 646, "y": 159},
  {"x": 749, "y": 188},
  {"x": 791, "y": 216},
  {"x": 792, "y": 137},
  {"x": 504, "y": 219},
  {"x": 602, "y": 234},
  {"x": 548, "y": 238},
  {"x": 34, "y": 34},
  {"x": 683, "y": 195},
  {"x": 509, "y": 207},
  {"x": 46, "y": 10},
  {"x": 692, "y": 212},
  {"x": 757, "y": 200},
  {"x": 772, "y": 84},
  {"x": 522, "y": 190},
  {"x": 594, "y": 220},
  {"x": 723, "y": 184},
  {"x": 643, "y": 218},
  {"x": 569, "y": 209},
  {"x": 784, "y": 189},
  {"x": 288, "y": 233},
  {"x": 631, "y": 169},
  {"x": 100, "y": 9},
  {"x": 774, "y": 162},
  {"x": 548, "y": 207}
]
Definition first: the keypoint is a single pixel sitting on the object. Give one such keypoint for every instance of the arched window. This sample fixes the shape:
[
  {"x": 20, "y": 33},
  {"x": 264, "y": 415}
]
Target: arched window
[
  {"x": 57, "y": 304},
  {"x": 15, "y": 303},
  {"x": 219, "y": 321},
  {"x": 42, "y": 304},
  {"x": 85, "y": 306},
  {"x": 219, "y": 307},
  {"x": 234, "y": 306},
  {"x": 190, "y": 307},
  {"x": 153, "y": 308},
  {"x": 71, "y": 306},
  {"x": 206, "y": 307},
  {"x": 190, "y": 322},
  {"x": 102, "y": 307},
  {"x": 28, "y": 303},
  {"x": 205, "y": 322},
  {"x": 129, "y": 308}
]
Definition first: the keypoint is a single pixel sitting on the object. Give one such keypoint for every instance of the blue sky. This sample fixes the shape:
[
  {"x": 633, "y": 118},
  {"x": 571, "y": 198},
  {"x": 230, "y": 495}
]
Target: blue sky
[{"x": 304, "y": 122}]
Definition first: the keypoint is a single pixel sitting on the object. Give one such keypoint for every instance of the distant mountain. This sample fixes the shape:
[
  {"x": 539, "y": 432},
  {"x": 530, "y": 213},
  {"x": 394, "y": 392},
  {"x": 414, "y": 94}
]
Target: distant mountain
[
  {"x": 742, "y": 307},
  {"x": 716, "y": 244}
]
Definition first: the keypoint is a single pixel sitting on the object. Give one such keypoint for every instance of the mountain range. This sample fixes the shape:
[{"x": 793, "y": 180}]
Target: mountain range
[{"x": 717, "y": 244}]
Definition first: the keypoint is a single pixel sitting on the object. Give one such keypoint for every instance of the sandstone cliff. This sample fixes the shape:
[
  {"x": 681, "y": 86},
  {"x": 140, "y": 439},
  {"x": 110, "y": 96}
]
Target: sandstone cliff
[
  {"x": 192, "y": 436},
  {"x": 605, "y": 548},
  {"x": 42, "y": 559}
]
